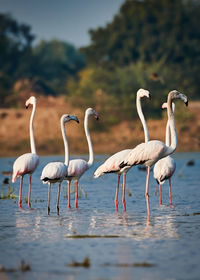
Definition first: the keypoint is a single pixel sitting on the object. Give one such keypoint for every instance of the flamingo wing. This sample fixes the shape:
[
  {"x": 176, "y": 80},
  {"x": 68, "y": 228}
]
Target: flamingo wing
[
  {"x": 111, "y": 165},
  {"x": 145, "y": 154},
  {"x": 164, "y": 169},
  {"x": 54, "y": 171},
  {"x": 25, "y": 164},
  {"x": 76, "y": 168}
]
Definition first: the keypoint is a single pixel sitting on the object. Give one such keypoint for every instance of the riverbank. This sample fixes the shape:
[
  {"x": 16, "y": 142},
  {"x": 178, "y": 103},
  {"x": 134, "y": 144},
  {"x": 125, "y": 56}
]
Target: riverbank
[{"x": 14, "y": 130}]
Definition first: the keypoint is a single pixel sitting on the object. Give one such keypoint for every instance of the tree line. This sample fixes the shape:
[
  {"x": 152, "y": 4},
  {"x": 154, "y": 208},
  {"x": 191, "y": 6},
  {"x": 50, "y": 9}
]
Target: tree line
[{"x": 151, "y": 44}]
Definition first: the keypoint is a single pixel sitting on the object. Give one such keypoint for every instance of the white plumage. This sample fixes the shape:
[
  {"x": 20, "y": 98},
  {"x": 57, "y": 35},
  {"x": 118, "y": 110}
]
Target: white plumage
[
  {"x": 27, "y": 163},
  {"x": 149, "y": 153},
  {"x": 165, "y": 167},
  {"x": 55, "y": 172},
  {"x": 112, "y": 164},
  {"x": 77, "y": 167}
]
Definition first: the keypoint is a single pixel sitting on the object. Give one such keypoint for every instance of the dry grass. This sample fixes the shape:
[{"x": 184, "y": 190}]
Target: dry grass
[{"x": 14, "y": 131}]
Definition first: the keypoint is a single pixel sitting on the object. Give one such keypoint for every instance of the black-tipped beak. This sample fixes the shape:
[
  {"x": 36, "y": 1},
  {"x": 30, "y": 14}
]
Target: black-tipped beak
[
  {"x": 149, "y": 96},
  {"x": 77, "y": 121},
  {"x": 26, "y": 107},
  {"x": 186, "y": 103},
  {"x": 97, "y": 117}
]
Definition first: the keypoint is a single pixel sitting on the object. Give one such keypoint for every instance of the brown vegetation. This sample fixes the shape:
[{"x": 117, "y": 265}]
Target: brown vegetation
[{"x": 14, "y": 130}]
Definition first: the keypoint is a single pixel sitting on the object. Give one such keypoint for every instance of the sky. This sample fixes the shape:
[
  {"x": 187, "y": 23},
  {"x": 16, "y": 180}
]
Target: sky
[{"x": 66, "y": 20}]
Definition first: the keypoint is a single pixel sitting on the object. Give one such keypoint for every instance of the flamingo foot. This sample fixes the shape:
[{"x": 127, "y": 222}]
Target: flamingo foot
[
  {"x": 48, "y": 210},
  {"x": 20, "y": 204},
  {"x": 57, "y": 210},
  {"x": 124, "y": 203},
  {"x": 29, "y": 205},
  {"x": 76, "y": 205},
  {"x": 69, "y": 206}
]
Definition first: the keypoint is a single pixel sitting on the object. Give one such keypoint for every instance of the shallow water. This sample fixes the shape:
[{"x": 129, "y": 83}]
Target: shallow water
[{"x": 118, "y": 245}]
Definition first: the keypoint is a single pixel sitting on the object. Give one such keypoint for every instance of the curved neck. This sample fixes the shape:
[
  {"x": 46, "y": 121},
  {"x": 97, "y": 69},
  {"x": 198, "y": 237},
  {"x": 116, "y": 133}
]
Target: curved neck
[
  {"x": 32, "y": 141},
  {"x": 141, "y": 116},
  {"x": 87, "y": 133},
  {"x": 167, "y": 134},
  {"x": 171, "y": 120},
  {"x": 66, "y": 145}
]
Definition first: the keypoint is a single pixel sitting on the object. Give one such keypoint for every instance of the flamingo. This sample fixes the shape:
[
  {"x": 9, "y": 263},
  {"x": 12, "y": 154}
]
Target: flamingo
[
  {"x": 165, "y": 167},
  {"x": 77, "y": 167},
  {"x": 55, "y": 172},
  {"x": 111, "y": 165},
  {"x": 149, "y": 153},
  {"x": 26, "y": 163}
]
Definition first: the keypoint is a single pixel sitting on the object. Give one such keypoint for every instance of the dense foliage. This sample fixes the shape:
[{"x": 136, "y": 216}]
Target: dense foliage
[
  {"x": 47, "y": 65},
  {"x": 151, "y": 44}
]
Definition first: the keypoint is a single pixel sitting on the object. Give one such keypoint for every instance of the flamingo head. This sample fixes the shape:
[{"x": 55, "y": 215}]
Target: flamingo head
[
  {"x": 174, "y": 94},
  {"x": 91, "y": 111},
  {"x": 164, "y": 106},
  {"x": 30, "y": 101},
  {"x": 66, "y": 118},
  {"x": 143, "y": 92}
]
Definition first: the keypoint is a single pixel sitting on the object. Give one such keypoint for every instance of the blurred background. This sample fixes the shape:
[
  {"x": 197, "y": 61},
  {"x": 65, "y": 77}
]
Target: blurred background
[{"x": 78, "y": 54}]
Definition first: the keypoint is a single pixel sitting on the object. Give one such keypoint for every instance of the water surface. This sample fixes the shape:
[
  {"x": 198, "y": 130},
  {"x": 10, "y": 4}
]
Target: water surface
[{"x": 118, "y": 245}]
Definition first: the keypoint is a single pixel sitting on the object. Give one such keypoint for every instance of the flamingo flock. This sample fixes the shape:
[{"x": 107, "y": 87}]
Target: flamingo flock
[{"x": 148, "y": 153}]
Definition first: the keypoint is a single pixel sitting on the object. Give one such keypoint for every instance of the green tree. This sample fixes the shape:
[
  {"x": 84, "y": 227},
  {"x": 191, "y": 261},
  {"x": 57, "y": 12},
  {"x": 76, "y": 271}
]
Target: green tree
[{"x": 55, "y": 62}]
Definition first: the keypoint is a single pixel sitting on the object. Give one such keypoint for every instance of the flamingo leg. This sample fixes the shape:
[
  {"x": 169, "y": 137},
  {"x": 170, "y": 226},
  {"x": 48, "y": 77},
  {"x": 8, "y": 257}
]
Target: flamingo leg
[
  {"x": 20, "y": 192},
  {"x": 49, "y": 194},
  {"x": 170, "y": 192},
  {"x": 76, "y": 194},
  {"x": 160, "y": 193},
  {"x": 58, "y": 198},
  {"x": 69, "y": 183},
  {"x": 147, "y": 192},
  {"x": 147, "y": 181},
  {"x": 116, "y": 195},
  {"x": 123, "y": 194},
  {"x": 29, "y": 192},
  {"x": 148, "y": 210}
]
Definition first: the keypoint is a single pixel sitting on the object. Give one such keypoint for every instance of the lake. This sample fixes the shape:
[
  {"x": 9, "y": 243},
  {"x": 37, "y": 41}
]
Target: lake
[{"x": 117, "y": 245}]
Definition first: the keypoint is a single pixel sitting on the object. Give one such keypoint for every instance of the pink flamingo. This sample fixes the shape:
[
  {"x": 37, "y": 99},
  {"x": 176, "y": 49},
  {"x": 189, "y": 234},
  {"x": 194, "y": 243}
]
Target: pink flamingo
[
  {"x": 165, "y": 167},
  {"x": 111, "y": 165},
  {"x": 149, "y": 153},
  {"x": 77, "y": 167},
  {"x": 55, "y": 172},
  {"x": 26, "y": 163}
]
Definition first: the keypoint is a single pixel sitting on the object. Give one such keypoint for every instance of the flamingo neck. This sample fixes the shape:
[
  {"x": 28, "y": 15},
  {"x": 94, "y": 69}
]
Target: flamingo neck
[
  {"x": 172, "y": 125},
  {"x": 32, "y": 141},
  {"x": 167, "y": 134},
  {"x": 66, "y": 145},
  {"x": 87, "y": 133},
  {"x": 141, "y": 116}
]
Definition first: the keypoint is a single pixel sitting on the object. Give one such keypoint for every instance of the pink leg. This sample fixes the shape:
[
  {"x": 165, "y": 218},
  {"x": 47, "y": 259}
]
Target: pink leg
[
  {"x": 69, "y": 183},
  {"x": 148, "y": 209},
  {"x": 58, "y": 198},
  {"x": 20, "y": 192},
  {"x": 147, "y": 191},
  {"x": 76, "y": 194},
  {"x": 147, "y": 181},
  {"x": 116, "y": 195},
  {"x": 170, "y": 193},
  {"x": 160, "y": 193},
  {"x": 123, "y": 194},
  {"x": 49, "y": 194},
  {"x": 29, "y": 193}
]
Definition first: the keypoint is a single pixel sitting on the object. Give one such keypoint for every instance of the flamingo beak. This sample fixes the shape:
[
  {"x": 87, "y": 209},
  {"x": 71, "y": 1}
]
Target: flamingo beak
[
  {"x": 186, "y": 103},
  {"x": 96, "y": 116}
]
